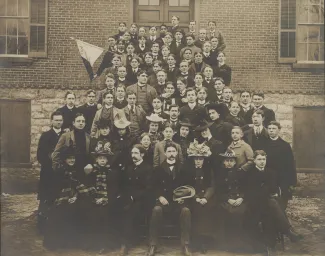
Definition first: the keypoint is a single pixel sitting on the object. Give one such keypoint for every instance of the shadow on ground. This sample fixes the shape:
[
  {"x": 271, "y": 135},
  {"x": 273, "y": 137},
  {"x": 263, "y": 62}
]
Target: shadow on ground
[{"x": 19, "y": 236}]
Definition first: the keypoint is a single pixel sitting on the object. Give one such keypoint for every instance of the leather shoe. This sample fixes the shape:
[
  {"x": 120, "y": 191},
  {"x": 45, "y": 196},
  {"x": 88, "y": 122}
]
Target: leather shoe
[
  {"x": 124, "y": 250},
  {"x": 186, "y": 251},
  {"x": 152, "y": 250},
  {"x": 293, "y": 236}
]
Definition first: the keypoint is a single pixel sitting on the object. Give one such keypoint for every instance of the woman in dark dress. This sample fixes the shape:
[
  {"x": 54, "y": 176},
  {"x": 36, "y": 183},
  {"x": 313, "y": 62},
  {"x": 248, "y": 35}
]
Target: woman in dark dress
[{"x": 146, "y": 142}]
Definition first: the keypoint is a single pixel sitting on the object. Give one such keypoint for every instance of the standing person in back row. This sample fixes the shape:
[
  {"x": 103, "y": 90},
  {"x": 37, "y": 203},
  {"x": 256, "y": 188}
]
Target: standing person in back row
[
  {"x": 68, "y": 111},
  {"x": 258, "y": 102},
  {"x": 89, "y": 109},
  {"x": 46, "y": 189},
  {"x": 144, "y": 92}
]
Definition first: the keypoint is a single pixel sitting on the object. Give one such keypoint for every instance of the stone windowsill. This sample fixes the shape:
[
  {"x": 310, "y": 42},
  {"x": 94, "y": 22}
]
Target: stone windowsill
[
  {"x": 308, "y": 65},
  {"x": 7, "y": 62}
]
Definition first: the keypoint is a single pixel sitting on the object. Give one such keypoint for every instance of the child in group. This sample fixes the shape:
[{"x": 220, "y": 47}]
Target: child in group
[{"x": 244, "y": 152}]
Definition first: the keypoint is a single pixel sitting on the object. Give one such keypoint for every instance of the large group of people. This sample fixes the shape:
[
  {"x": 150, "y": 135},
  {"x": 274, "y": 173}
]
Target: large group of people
[{"x": 165, "y": 141}]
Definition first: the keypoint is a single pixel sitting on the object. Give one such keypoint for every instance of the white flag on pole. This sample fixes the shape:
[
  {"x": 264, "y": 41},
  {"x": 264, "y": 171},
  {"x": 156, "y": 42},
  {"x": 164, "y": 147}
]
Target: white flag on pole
[{"x": 88, "y": 51}]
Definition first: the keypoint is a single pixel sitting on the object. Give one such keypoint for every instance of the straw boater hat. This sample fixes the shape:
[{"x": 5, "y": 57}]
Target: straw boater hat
[
  {"x": 203, "y": 125},
  {"x": 121, "y": 123},
  {"x": 186, "y": 122},
  {"x": 183, "y": 192},
  {"x": 155, "y": 118},
  {"x": 196, "y": 149},
  {"x": 228, "y": 154}
]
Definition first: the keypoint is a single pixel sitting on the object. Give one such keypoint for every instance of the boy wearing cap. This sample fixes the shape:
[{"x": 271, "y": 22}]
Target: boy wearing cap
[
  {"x": 230, "y": 199},
  {"x": 199, "y": 174},
  {"x": 167, "y": 177}
]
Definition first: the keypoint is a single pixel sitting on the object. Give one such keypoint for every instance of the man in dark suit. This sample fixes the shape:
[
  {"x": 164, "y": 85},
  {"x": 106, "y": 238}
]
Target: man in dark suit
[
  {"x": 167, "y": 177},
  {"x": 280, "y": 158},
  {"x": 186, "y": 73},
  {"x": 89, "y": 109},
  {"x": 177, "y": 44},
  {"x": 191, "y": 110},
  {"x": 215, "y": 146},
  {"x": 68, "y": 111},
  {"x": 175, "y": 22},
  {"x": 269, "y": 114},
  {"x": 261, "y": 195},
  {"x": 47, "y": 185},
  {"x": 134, "y": 194},
  {"x": 173, "y": 117},
  {"x": 220, "y": 130},
  {"x": 245, "y": 105},
  {"x": 257, "y": 135}
]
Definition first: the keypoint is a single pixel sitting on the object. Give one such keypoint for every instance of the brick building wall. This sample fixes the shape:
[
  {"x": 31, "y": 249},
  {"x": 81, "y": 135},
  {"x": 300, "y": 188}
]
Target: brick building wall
[{"x": 250, "y": 29}]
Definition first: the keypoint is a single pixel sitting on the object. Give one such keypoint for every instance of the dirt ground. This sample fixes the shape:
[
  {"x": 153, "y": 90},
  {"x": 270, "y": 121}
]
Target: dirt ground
[{"x": 19, "y": 236}]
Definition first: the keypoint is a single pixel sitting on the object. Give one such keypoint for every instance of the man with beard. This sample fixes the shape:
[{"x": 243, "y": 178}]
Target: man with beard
[
  {"x": 134, "y": 195},
  {"x": 173, "y": 116},
  {"x": 46, "y": 145},
  {"x": 167, "y": 177}
]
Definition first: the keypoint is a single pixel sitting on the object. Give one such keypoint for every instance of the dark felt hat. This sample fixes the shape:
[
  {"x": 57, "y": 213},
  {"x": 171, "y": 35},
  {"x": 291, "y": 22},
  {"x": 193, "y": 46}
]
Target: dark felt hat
[
  {"x": 186, "y": 122},
  {"x": 183, "y": 192},
  {"x": 202, "y": 125},
  {"x": 219, "y": 107}
]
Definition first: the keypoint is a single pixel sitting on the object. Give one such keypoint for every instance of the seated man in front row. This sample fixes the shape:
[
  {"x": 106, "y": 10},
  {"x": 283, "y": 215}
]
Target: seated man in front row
[
  {"x": 262, "y": 199},
  {"x": 166, "y": 178}
]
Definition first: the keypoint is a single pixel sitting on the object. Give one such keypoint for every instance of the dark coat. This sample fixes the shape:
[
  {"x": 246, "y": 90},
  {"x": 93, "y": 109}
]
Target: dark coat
[
  {"x": 68, "y": 116},
  {"x": 201, "y": 179},
  {"x": 136, "y": 182},
  {"x": 244, "y": 115},
  {"x": 256, "y": 142},
  {"x": 140, "y": 52},
  {"x": 229, "y": 184},
  {"x": 259, "y": 186},
  {"x": 269, "y": 115},
  {"x": 221, "y": 131},
  {"x": 216, "y": 147},
  {"x": 210, "y": 60},
  {"x": 196, "y": 69},
  {"x": 235, "y": 120},
  {"x": 89, "y": 112},
  {"x": 172, "y": 74},
  {"x": 224, "y": 72},
  {"x": 194, "y": 115},
  {"x": 280, "y": 158},
  {"x": 189, "y": 78},
  {"x": 183, "y": 142},
  {"x": 46, "y": 146},
  {"x": 174, "y": 49},
  {"x": 165, "y": 181},
  {"x": 131, "y": 77}
]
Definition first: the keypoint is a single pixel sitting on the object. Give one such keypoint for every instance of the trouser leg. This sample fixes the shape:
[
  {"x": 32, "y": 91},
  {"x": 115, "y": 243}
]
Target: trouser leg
[
  {"x": 185, "y": 224},
  {"x": 155, "y": 225}
]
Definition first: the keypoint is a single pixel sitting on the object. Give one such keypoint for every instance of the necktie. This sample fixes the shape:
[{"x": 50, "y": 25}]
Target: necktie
[
  {"x": 132, "y": 110},
  {"x": 258, "y": 131}
]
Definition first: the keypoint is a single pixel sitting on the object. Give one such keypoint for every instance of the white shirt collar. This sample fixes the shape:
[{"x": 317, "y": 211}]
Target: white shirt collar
[
  {"x": 90, "y": 104},
  {"x": 171, "y": 162},
  {"x": 274, "y": 138},
  {"x": 70, "y": 107},
  {"x": 138, "y": 163},
  {"x": 201, "y": 101},
  {"x": 121, "y": 79},
  {"x": 56, "y": 130},
  {"x": 261, "y": 127},
  {"x": 260, "y": 169},
  {"x": 192, "y": 105},
  {"x": 108, "y": 107}
]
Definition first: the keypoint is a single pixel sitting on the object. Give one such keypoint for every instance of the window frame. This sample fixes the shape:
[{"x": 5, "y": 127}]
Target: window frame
[
  {"x": 294, "y": 60},
  {"x": 26, "y": 58}
]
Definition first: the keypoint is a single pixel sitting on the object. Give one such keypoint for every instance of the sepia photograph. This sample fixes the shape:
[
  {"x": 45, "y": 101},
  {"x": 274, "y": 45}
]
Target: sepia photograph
[{"x": 162, "y": 127}]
